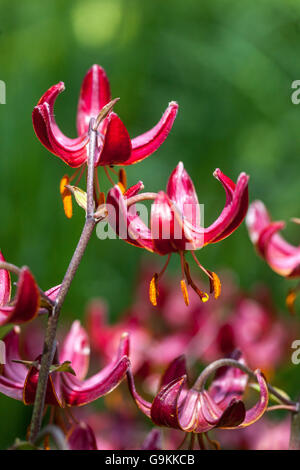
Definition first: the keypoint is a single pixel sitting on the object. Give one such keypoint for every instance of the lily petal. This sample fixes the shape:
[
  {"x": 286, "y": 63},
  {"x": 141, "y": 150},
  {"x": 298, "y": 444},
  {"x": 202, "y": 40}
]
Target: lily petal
[
  {"x": 94, "y": 94},
  {"x": 126, "y": 223},
  {"x": 13, "y": 374},
  {"x": 153, "y": 440},
  {"x": 82, "y": 437},
  {"x": 234, "y": 211},
  {"x": 229, "y": 383},
  {"x": 143, "y": 405},
  {"x": 164, "y": 410},
  {"x": 26, "y": 303},
  {"x": 76, "y": 348},
  {"x": 78, "y": 393},
  {"x": 116, "y": 149},
  {"x": 53, "y": 391},
  {"x": 181, "y": 191},
  {"x": 175, "y": 370},
  {"x": 147, "y": 143},
  {"x": 5, "y": 284},
  {"x": 256, "y": 412},
  {"x": 71, "y": 151},
  {"x": 281, "y": 256},
  {"x": 168, "y": 230}
]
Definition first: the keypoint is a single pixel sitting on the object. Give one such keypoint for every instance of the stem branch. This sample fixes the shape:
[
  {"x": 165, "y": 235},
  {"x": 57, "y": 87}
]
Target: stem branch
[{"x": 50, "y": 341}]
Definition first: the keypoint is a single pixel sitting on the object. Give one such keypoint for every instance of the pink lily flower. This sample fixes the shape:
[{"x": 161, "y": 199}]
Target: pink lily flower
[
  {"x": 175, "y": 222},
  {"x": 280, "y": 255},
  {"x": 114, "y": 143},
  {"x": 63, "y": 389},
  {"x": 197, "y": 410}
]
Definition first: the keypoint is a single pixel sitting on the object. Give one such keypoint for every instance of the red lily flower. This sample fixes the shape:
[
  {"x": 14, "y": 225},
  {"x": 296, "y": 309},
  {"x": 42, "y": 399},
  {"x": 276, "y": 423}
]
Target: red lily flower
[
  {"x": 175, "y": 222},
  {"x": 63, "y": 388},
  {"x": 197, "y": 410},
  {"x": 114, "y": 143},
  {"x": 280, "y": 255}
]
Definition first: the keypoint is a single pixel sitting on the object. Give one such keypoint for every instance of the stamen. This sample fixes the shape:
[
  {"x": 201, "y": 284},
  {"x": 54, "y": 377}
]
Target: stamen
[
  {"x": 201, "y": 442},
  {"x": 74, "y": 174},
  {"x": 122, "y": 187},
  {"x": 153, "y": 290},
  {"x": 215, "y": 284},
  {"x": 208, "y": 273},
  {"x": 83, "y": 168},
  {"x": 184, "y": 292},
  {"x": 214, "y": 444},
  {"x": 182, "y": 282},
  {"x": 291, "y": 298},
  {"x": 108, "y": 176},
  {"x": 96, "y": 184},
  {"x": 66, "y": 196},
  {"x": 101, "y": 199},
  {"x": 203, "y": 295},
  {"x": 123, "y": 178},
  {"x": 160, "y": 274}
]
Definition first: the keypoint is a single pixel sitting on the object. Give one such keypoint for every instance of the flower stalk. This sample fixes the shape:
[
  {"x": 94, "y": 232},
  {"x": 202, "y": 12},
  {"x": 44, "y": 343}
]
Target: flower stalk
[
  {"x": 203, "y": 377},
  {"x": 50, "y": 336}
]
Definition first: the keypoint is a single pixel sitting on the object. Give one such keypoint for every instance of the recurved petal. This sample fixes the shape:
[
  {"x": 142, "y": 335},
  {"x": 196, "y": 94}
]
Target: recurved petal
[
  {"x": 71, "y": 151},
  {"x": 168, "y": 229},
  {"x": 53, "y": 392},
  {"x": 233, "y": 415},
  {"x": 26, "y": 303},
  {"x": 13, "y": 374},
  {"x": 256, "y": 412},
  {"x": 181, "y": 191},
  {"x": 77, "y": 393},
  {"x": 116, "y": 148},
  {"x": 126, "y": 222},
  {"x": 164, "y": 410},
  {"x": 234, "y": 211},
  {"x": 257, "y": 220},
  {"x": 53, "y": 292},
  {"x": 81, "y": 437},
  {"x": 5, "y": 284},
  {"x": 143, "y": 405},
  {"x": 133, "y": 190},
  {"x": 147, "y": 143},
  {"x": 153, "y": 441},
  {"x": 282, "y": 257},
  {"x": 94, "y": 94},
  {"x": 229, "y": 383},
  {"x": 76, "y": 348},
  {"x": 175, "y": 370}
]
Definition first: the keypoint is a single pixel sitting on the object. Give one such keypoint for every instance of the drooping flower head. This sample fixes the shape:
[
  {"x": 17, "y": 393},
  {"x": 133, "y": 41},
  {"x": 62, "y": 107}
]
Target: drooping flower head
[
  {"x": 114, "y": 146},
  {"x": 196, "y": 410},
  {"x": 175, "y": 225}
]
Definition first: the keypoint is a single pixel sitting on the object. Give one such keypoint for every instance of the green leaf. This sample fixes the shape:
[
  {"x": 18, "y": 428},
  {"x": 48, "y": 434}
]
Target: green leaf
[{"x": 64, "y": 367}]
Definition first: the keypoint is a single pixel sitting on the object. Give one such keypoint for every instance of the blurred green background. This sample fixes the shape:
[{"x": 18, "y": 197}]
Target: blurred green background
[{"x": 229, "y": 64}]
